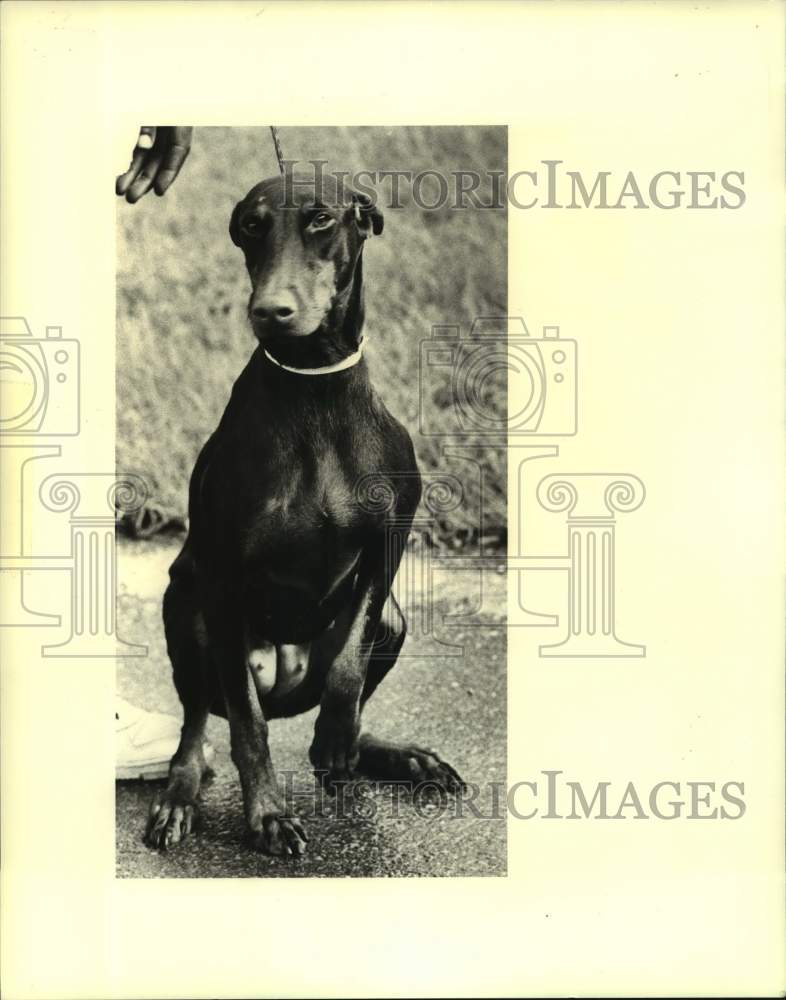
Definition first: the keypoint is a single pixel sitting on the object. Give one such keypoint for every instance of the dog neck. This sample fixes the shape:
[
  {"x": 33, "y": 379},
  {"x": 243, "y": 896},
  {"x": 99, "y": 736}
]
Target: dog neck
[{"x": 348, "y": 362}]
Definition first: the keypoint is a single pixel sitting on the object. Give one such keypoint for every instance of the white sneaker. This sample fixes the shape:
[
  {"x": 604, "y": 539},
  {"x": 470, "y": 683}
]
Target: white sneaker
[{"x": 145, "y": 743}]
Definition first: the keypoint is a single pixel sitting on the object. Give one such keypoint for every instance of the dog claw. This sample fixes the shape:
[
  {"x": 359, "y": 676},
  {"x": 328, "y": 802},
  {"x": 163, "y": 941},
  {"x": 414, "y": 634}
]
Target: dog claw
[
  {"x": 169, "y": 823},
  {"x": 281, "y": 835},
  {"x": 427, "y": 765},
  {"x": 409, "y": 762}
]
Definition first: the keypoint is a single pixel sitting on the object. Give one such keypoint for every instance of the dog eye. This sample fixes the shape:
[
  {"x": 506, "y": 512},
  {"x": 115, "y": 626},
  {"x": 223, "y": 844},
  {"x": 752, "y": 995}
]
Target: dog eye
[
  {"x": 321, "y": 221},
  {"x": 253, "y": 227}
]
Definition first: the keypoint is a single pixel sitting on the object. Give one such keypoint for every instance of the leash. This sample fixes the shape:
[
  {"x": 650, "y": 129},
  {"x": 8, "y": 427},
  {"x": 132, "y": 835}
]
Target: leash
[
  {"x": 349, "y": 362},
  {"x": 279, "y": 153}
]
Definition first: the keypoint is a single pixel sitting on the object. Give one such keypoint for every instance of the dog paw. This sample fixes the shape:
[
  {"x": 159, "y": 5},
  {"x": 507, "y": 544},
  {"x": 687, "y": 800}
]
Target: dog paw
[
  {"x": 427, "y": 766},
  {"x": 169, "y": 822},
  {"x": 280, "y": 835},
  {"x": 385, "y": 761}
]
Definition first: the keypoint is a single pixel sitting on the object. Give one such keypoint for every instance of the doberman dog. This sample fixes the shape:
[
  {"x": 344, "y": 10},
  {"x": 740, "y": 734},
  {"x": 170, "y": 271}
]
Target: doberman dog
[{"x": 300, "y": 504}]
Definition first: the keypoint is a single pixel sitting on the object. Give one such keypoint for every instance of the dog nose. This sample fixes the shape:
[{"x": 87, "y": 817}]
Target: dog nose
[{"x": 281, "y": 310}]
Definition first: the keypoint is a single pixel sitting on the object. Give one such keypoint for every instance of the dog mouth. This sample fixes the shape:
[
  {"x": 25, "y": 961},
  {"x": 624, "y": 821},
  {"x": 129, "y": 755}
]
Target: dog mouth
[{"x": 269, "y": 329}]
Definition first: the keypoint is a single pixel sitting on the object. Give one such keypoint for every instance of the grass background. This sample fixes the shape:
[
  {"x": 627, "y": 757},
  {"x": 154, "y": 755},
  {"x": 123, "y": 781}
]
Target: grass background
[{"x": 182, "y": 289}]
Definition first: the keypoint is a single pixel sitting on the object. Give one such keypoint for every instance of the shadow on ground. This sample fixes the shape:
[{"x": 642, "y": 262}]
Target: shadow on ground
[{"x": 455, "y": 704}]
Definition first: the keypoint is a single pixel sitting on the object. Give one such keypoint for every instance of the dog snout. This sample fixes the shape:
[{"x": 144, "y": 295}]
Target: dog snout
[{"x": 280, "y": 309}]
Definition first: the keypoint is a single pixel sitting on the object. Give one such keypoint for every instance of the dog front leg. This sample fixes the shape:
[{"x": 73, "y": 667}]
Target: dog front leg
[{"x": 273, "y": 828}]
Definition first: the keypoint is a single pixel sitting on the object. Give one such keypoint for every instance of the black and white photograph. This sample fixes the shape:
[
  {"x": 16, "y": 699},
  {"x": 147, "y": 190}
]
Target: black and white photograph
[{"x": 297, "y": 352}]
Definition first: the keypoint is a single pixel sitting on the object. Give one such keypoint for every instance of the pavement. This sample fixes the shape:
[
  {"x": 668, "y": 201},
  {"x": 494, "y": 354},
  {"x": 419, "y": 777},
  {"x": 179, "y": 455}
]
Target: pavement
[{"x": 455, "y": 703}]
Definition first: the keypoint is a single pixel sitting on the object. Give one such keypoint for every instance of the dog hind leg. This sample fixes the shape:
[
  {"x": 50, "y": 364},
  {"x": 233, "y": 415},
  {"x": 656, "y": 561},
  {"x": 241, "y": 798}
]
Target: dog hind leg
[{"x": 382, "y": 760}]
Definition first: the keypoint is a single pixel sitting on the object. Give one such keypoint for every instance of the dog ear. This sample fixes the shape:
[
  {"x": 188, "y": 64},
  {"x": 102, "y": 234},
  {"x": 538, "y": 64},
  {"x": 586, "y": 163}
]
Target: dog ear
[
  {"x": 234, "y": 224},
  {"x": 368, "y": 216}
]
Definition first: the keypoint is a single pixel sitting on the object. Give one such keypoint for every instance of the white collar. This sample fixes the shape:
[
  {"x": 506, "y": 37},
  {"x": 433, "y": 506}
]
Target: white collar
[{"x": 349, "y": 362}]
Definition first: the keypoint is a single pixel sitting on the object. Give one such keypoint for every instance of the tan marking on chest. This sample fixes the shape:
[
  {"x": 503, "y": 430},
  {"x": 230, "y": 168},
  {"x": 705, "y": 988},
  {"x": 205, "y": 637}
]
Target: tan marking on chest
[{"x": 278, "y": 669}]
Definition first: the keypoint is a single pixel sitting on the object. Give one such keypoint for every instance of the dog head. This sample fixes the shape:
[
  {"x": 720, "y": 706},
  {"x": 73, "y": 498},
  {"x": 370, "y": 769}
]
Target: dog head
[{"x": 302, "y": 243}]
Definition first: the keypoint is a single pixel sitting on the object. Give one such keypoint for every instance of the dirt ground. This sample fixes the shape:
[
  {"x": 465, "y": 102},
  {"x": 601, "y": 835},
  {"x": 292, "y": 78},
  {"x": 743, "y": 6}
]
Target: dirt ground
[{"x": 455, "y": 703}]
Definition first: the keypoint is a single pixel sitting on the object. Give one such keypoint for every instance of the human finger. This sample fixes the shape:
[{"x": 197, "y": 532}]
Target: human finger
[
  {"x": 144, "y": 180},
  {"x": 175, "y": 155},
  {"x": 144, "y": 143}
]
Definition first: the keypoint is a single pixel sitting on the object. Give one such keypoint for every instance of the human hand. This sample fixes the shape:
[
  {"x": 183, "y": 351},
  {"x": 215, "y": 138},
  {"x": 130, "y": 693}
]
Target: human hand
[{"x": 160, "y": 152}]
